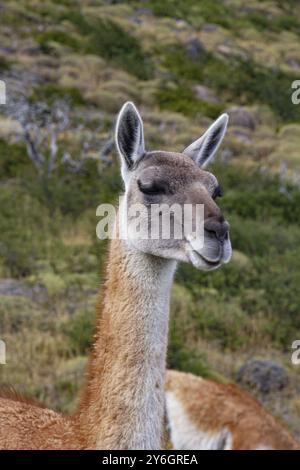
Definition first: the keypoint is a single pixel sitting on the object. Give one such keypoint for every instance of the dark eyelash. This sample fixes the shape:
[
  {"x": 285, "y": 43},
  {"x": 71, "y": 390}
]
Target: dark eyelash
[
  {"x": 151, "y": 189},
  {"x": 218, "y": 192}
]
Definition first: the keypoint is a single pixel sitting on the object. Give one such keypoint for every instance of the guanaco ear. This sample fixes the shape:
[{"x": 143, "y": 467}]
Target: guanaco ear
[
  {"x": 129, "y": 137},
  {"x": 203, "y": 149}
]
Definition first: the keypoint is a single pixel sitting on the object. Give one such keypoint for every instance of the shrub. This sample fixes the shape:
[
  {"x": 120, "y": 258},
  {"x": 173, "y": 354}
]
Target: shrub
[
  {"x": 182, "y": 354},
  {"x": 223, "y": 322},
  {"x": 79, "y": 330},
  {"x": 54, "y": 284},
  {"x": 280, "y": 277},
  {"x": 4, "y": 64},
  {"x": 22, "y": 246},
  {"x": 182, "y": 100},
  {"x": 51, "y": 92},
  {"x": 46, "y": 38},
  {"x": 21, "y": 243},
  {"x": 13, "y": 161}
]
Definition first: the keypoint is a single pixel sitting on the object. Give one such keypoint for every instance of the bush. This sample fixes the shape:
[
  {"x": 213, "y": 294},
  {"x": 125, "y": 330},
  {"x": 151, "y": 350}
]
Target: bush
[
  {"x": 13, "y": 161},
  {"x": 182, "y": 100},
  {"x": 4, "y": 64},
  {"x": 47, "y": 38},
  {"x": 223, "y": 322},
  {"x": 21, "y": 243},
  {"x": 280, "y": 277},
  {"x": 49, "y": 93},
  {"x": 79, "y": 330},
  {"x": 182, "y": 354}
]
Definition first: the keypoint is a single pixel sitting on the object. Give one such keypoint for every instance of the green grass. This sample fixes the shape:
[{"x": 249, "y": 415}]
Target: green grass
[
  {"x": 79, "y": 330},
  {"x": 109, "y": 40},
  {"x": 181, "y": 99},
  {"x": 51, "y": 92},
  {"x": 13, "y": 161},
  {"x": 47, "y": 38},
  {"x": 5, "y": 64}
]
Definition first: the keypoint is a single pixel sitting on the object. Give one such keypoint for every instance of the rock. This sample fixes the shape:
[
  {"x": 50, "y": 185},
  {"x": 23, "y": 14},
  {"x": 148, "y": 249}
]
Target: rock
[
  {"x": 225, "y": 50},
  {"x": 32, "y": 50},
  {"x": 242, "y": 136},
  {"x": 210, "y": 27},
  {"x": 228, "y": 50},
  {"x": 13, "y": 287},
  {"x": 144, "y": 11},
  {"x": 293, "y": 63},
  {"x": 206, "y": 94},
  {"x": 39, "y": 292},
  {"x": 136, "y": 20},
  {"x": 10, "y": 128},
  {"x": 263, "y": 376},
  {"x": 181, "y": 24},
  {"x": 241, "y": 117},
  {"x": 194, "y": 47},
  {"x": 290, "y": 132}
]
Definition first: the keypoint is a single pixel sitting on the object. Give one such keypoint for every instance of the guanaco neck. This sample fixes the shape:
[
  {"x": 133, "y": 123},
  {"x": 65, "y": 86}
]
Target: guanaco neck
[{"x": 123, "y": 403}]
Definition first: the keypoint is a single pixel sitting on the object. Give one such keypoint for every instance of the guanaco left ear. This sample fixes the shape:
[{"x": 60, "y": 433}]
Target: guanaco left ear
[
  {"x": 203, "y": 149},
  {"x": 129, "y": 137}
]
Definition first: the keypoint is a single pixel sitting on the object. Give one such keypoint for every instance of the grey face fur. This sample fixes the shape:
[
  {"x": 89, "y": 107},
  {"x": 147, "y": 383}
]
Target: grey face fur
[{"x": 157, "y": 177}]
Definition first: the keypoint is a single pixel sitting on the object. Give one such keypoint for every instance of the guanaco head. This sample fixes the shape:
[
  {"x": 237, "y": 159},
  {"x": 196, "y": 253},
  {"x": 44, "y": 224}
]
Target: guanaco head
[{"x": 170, "y": 199}]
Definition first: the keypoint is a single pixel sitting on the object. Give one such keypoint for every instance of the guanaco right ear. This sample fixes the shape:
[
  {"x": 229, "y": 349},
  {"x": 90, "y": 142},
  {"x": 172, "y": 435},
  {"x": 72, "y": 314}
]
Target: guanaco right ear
[
  {"x": 129, "y": 137},
  {"x": 203, "y": 150}
]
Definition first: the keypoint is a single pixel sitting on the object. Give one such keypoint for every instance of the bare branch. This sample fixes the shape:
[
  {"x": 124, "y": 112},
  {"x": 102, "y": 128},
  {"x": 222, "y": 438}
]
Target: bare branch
[{"x": 42, "y": 128}]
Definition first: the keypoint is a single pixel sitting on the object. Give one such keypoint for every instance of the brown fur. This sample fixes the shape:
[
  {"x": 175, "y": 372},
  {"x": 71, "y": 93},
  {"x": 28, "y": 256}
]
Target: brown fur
[
  {"x": 10, "y": 393},
  {"x": 214, "y": 406}
]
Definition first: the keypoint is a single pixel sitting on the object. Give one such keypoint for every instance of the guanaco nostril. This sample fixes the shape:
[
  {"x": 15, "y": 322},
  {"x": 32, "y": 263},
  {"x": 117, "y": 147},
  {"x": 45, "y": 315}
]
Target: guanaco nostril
[
  {"x": 222, "y": 231},
  {"x": 219, "y": 229}
]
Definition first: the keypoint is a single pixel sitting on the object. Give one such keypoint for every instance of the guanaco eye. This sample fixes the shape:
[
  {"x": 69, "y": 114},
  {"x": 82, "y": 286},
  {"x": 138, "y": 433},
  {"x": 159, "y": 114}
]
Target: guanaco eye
[
  {"x": 218, "y": 192},
  {"x": 151, "y": 187}
]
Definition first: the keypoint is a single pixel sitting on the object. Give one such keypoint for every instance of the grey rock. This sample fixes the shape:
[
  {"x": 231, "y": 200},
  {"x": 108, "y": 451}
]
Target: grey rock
[
  {"x": 136, "y": 20},
  {"x": 181, "y": 24},
  {"x": 144, "y": 11},
  {"x": 264, "y": 376},
  {"x": 293, "y": 63},
  {"x": 14, "y": 287},
  {"x": 210, "y": 27},
  {"x": 241, "y": 117},
  {"x": 242, "y": 136},
  {"x": 194, "y": 47},
  {"x": 206, "y": 94},
  {"x": 225, "y": 50}
]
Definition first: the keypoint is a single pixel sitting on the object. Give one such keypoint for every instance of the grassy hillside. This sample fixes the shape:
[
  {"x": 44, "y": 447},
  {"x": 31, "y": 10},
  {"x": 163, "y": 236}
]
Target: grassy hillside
[{"x": 182, "y": 63}]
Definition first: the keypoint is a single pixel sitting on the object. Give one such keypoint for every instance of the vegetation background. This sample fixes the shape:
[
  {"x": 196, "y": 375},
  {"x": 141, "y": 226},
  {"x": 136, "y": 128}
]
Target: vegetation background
[{"x": 183, "y": 62}]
